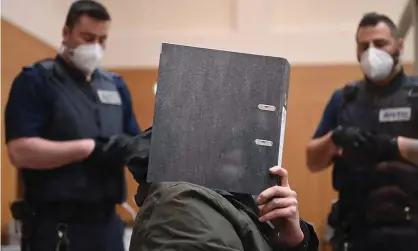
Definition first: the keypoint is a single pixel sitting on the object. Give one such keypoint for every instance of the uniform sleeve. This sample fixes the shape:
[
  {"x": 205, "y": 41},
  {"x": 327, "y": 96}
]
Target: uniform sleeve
[
  {"x": 130, "y": 125},
  {"x": 26, "y": 109},
  {"x": 330, "y": 115}
]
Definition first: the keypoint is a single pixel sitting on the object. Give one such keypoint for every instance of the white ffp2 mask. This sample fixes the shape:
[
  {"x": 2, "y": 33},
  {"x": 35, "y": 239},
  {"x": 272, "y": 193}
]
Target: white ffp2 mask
[
  {"x": 87, "y": 56},
  {"x": 377, "y": 64}
]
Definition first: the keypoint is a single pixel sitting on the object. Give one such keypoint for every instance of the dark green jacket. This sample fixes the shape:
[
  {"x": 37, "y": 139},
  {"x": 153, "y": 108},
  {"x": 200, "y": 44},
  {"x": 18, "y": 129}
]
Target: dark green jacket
[{"x": 184, "y": 216}]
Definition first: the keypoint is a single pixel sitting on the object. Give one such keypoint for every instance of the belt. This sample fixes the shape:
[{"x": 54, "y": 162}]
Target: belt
[{"x": 70, "y": 212}]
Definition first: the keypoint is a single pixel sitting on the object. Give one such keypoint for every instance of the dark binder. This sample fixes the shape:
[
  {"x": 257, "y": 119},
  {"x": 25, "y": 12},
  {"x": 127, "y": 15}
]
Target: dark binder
[{"x": 219, "y": 118}]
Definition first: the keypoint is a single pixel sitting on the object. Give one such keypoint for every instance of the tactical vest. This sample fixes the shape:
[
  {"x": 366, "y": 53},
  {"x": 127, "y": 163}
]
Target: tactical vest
[
  {"x": 393, "y": 112},
  {"x": 77, "y": 114}
]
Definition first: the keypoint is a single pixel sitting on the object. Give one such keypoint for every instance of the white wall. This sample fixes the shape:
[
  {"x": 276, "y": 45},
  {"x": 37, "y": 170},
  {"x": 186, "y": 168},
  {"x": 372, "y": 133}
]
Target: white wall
[{"x": 303, "y": 31}]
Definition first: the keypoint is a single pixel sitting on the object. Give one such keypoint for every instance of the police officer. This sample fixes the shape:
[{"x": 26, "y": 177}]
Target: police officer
[
  {"x": 369, "y": 130},
  {"x": 67, "y": 126}
]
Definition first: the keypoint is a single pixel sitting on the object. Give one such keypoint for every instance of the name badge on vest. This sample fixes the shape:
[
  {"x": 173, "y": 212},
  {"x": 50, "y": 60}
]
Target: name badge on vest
[
  {"x": 395, "y": 114},
  {"x": 109, "y": 97}
]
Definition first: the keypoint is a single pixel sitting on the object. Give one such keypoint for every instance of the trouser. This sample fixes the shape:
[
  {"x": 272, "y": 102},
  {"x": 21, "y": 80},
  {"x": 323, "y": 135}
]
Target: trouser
[
  {"x": 184, "y": 216},
  {"x": 389, "y": 238},
  {"x": 47, "y": 233}
]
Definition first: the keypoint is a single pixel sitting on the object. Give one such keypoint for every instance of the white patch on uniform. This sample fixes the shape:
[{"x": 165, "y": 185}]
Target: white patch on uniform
[
  {"x": 109, "y": 97},
  {"x": 395, "y": 114}
]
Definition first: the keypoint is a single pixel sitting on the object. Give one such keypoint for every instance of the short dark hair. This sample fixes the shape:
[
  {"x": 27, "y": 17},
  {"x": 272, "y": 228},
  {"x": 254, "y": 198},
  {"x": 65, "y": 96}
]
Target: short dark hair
[
  {"x": 89, "y": 8},
  {"x": 373, "y": 18}
]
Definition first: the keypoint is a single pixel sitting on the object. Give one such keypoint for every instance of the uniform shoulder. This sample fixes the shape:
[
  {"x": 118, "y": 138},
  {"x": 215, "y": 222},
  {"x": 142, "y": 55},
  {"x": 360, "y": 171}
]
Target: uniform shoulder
[
  {"x": 45, "y": 64},
  {"x": 115, "y": 77},
  {"x": 27, "y": 87},
  {"x": 112, "y": 75},
  {"x": 414, "y": 79},
  {"x": 39, "y": 67},
  {"x": 33, "y": 74},
  {"x": 357, "y": 82},
  {"x": 349, "y": 90},
  {"x": 338, "y": 93}
]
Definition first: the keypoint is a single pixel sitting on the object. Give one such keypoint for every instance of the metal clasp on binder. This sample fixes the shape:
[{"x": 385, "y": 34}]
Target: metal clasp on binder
[
  {"x": 262, "y": 142},
  {"x": 270, "y": 108}
]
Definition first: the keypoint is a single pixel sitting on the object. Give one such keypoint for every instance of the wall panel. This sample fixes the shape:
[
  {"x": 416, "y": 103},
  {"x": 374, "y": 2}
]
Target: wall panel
[
  {"x": 303, "y": 31},
  {"x": 157, "y": 16},
  {"x": 285, "y": 14}
]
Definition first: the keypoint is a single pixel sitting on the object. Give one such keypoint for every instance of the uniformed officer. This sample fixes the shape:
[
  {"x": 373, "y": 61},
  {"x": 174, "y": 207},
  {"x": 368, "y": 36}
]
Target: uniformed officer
[
  {"x": 369, "y": 130},
  {"x": 67, "y": 123}
]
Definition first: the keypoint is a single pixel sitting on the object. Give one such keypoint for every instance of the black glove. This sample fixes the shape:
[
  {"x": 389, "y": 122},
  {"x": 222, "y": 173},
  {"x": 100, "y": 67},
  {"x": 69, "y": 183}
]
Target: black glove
[
  {"x": 382, "y": 147},
  {"x": 111, "y": 151},
  {"x": 355, "y": 142},
  {"x": 137, "y": 162},
  {"x": 348, "y": 138}
]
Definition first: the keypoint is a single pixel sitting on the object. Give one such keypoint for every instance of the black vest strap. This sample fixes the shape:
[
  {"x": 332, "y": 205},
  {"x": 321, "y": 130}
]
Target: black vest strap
[
  {"x": 350, "y": 92},
  {"x": 413, "y": 92},
  {"x": 51, "y": 69},
  {"x": 47, "y": 64}
]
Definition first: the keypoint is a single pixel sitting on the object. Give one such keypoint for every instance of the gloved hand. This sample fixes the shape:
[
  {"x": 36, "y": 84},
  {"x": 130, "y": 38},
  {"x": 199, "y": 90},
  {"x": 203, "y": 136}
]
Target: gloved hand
[
  {"x": 348, "y": 138},
  {"x": 378, "y": 147},
  {"x": 138, "y": 164},
  {"x": 111, "y": 151},
  {"x": 137, "y": 161},
  {"x": 382, "y": 147}
]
